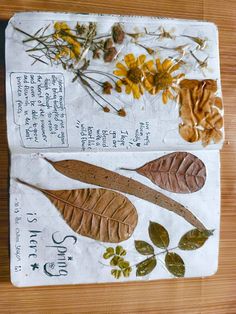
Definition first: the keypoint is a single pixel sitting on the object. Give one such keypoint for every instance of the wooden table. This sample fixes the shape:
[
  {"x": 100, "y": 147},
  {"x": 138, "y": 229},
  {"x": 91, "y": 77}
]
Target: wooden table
[{"x": 215, "y": 294}]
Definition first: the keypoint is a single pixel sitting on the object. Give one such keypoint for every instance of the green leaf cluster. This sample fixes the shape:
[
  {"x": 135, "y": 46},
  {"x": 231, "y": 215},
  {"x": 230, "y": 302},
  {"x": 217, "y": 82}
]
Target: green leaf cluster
[
  {"x": 121, "y": 267},
  {"x": 159, "y": 236}
]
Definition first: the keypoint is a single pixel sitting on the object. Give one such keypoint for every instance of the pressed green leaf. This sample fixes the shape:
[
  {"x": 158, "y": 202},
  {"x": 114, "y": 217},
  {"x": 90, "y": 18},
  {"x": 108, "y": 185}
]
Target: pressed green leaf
[
  {"x": 146, "y": 266},
  {"x": 123, "y": 264},
  {"x": 159, "y": 235},
  {"x": 116, "y": 273},
  {"x": 126, "y": 272},
  {"x": 144, "y": 248},
  {"x": 194, "y": 239},
  {"x": 115, "y": 260},
  {"x": 175, "y": 264},
  {"x": 120, "y": 251},
  {"x": 109, "y": 253}
]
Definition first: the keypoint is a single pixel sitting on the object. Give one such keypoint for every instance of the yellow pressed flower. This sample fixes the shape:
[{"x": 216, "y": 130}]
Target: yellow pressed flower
[
  {"x": 159, "y": 78},
  {"x": 76, "y": 48},
  {"x": 65, "y": 52},
  {"x": 61, "y": 26},
  {"x": 132, "y": 74},
  {"x": 64, "y": 32}
]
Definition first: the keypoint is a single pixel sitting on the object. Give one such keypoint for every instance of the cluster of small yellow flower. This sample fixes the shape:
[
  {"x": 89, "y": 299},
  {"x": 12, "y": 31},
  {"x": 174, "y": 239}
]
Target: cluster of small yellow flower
[{"x": 66, "y": 42}]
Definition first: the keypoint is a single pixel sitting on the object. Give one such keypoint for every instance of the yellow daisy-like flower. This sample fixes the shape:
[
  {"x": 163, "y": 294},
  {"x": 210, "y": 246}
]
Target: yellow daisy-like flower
[
  {"x": 132, "y": 74},
  {"x": 159, "y": 78}
]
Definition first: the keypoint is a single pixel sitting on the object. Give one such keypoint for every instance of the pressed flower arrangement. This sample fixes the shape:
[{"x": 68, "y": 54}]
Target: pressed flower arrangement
[{"x": 135, "y": 74}]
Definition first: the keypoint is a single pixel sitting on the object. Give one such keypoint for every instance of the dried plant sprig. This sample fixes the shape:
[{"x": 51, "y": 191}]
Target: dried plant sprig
[
  {"x": 203, "y": 64},
  {"x": 159, "y": 236},
  {"x": 120, "y": 266},
  {"x": 201, "y": 42},
  {"x": 68, "y": 47}
]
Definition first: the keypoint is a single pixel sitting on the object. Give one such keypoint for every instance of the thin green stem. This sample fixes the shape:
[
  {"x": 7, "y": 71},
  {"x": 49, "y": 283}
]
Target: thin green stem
[
  {"x": 92, "y": 79},
  {"x": 23, "y": 32},
  {"x": 154, "y": 255},
  {"x": 110, "y": 75}
]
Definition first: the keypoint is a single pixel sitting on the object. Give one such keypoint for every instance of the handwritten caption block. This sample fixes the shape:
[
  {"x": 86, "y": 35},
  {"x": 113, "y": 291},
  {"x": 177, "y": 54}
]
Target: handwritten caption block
[
  {"x": 92, "y": 138},
  {"x": 39, "y": 109}
]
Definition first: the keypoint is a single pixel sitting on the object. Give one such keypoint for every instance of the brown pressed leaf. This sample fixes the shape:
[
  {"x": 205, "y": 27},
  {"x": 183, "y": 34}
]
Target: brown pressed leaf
[
  {"x": 199, "y": 111},
  {"x": 175, "y": 264},
  {"x": 189, "y": 133},
  {"x": 218, "y": 102},
  {"x": 99, "y": 214},
  {"x": 91, "y": 174},
  {"x": 211, "y": 134},
  {"x": 118, "y": 34},
  {"x": 178, "y": 172}
]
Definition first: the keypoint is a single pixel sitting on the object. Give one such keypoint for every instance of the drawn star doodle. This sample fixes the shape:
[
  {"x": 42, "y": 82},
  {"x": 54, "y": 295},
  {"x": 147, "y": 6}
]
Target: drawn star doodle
[{"x": 34, "y": 266}]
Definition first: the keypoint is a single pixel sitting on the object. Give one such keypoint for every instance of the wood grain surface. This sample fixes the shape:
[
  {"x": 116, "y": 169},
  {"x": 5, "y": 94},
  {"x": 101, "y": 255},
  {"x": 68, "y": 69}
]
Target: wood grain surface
[{"x": 215, "y": 294}]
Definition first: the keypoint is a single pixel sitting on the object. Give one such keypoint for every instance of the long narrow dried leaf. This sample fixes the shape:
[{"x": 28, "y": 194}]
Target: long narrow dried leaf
[
  {"x": 175, "y": 264},
  {"x": 88, "y": 173},
  {"x": 178, "y": 172},
  {"x": 159, "y": 235},
  {"x": 194, "y": 239},
  {"x": 100, "y": 214}
]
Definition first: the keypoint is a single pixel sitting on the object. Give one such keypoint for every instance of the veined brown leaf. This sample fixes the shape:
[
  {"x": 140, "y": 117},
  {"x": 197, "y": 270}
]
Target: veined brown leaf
[
  {"x": 178, "y": 172},
  {"x": 143, "y": 247},
  {"x": 159, "y": 235},
  {"x": 100, "y": 214},
  {"x": 194, "y": 239},
  {"x": 145, "y": 267},
  {"x": 175, "y": 264},
  {"x": 88, "y": 173}
]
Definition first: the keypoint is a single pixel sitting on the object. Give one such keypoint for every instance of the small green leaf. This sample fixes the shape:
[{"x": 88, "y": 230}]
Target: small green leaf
[
  {"x": 123, "y": 264},
  {"x": 146, "y": 266},
  {"x": 115, "y": 260},
  {"x": 120, "y": 251},
  {"x": 109, "y": 253},
  {"x": 144, "y": 248},
  {"x": 116, "y": 273},
  {"x": 175, "y": 264},
  {"x": 159, "y": 235},
  {"x": 194, "y": 239},
  {"x": 126, "y": 272}
]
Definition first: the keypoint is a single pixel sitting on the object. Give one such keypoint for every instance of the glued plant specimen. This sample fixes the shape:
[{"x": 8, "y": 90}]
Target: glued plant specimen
[
  {"x": 200, "y": 111},
  {"x": 178, "y": 172},
  {"x": 100, "y": 214},
  {"x": 89, "y": 173}
]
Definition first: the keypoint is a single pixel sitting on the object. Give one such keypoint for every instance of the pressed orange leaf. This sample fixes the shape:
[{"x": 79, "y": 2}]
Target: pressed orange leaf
[{"x": 99, "y": 214}]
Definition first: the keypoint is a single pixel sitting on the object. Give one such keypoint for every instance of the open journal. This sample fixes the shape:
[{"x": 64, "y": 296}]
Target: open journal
[{"x": 115, "y": 124}]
